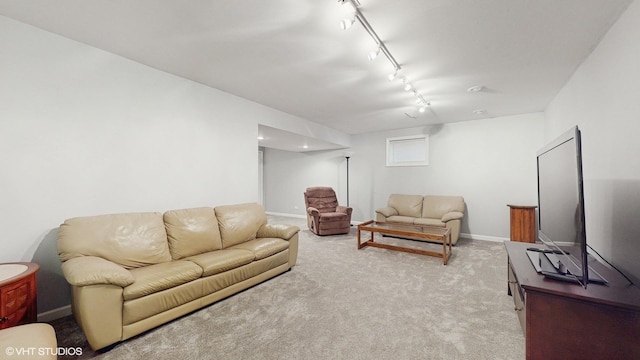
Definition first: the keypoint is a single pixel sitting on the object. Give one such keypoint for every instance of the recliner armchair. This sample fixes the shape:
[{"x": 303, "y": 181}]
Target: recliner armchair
[{"x": 324, "y": 215}]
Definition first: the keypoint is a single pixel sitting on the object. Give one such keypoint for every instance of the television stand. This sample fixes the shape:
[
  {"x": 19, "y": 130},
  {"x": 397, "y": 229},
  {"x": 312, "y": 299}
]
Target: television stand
[{"x": 563, "y": 320}]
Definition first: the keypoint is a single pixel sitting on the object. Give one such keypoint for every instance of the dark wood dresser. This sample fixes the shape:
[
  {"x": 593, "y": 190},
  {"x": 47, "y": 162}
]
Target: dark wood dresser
[{"x": 563, "y": 320}]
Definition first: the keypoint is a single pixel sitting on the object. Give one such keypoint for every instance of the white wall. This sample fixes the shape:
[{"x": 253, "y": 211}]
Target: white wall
[
  {"x": 86, "y": 132},
  {"x": 603, "y": 99},
  {"x": 288, "y": 174},
  {"x": 490, "y": 162}
]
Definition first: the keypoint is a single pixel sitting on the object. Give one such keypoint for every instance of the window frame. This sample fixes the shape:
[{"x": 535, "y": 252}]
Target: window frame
[{"x": 419, "y": 156}]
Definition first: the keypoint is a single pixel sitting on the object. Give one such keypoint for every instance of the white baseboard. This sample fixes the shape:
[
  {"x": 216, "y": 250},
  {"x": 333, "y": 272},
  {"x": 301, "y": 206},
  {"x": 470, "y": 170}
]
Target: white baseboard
[
  {"x": 54, "y": 314},
  {"x": 286, "y": 215},
  {"x": 301, "y": 216},
  {"x": 483, "y": 237},
  {"x": 464, "y": 235}
]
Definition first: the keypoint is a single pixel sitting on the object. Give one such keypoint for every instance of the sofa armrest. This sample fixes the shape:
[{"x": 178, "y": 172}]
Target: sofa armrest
[
  {"x": 454, "y": 215},
  {"x": 93, "y": 270},
  {"x": 387, "y": 211},
  {"x": 281, "y": 231},
  {"x": 344, "y": 209},
  {"x": 313, "y": 211}
]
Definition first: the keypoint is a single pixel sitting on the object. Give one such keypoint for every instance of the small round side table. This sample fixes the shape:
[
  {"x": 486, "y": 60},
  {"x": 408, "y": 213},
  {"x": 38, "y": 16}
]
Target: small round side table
[{"x": 18, "y": 304}]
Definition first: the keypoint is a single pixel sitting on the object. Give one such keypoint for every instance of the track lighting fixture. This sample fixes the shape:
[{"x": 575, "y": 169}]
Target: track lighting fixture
[{"x": 347, "y": 23}]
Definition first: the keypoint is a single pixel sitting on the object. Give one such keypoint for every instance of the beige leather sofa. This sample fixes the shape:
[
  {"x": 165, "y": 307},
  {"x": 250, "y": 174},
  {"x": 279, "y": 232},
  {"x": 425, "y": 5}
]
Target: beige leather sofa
[
  {"x": 444, "y": 211},
  {"x": 132, "y": 272}
]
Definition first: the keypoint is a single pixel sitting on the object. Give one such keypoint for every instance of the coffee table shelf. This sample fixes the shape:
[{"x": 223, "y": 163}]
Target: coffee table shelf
[{"x": 413, "y": 232}]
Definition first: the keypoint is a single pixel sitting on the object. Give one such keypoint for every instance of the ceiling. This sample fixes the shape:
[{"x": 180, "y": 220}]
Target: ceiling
[{"x": 291, "y": 55}]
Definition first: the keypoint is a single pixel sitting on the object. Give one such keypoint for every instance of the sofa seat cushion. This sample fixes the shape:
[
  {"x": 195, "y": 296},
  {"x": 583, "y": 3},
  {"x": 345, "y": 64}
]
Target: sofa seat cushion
[
  {"x": 264, "y": 247},
  {"x": 153, "y": 278},
  {"x": 218, "y": 261},
  {"x": 157, "y": 304},
  {"x": 234, "y": 277},
  {"x": 430, "y": 222},
  {"x": 401, "y": 219}
]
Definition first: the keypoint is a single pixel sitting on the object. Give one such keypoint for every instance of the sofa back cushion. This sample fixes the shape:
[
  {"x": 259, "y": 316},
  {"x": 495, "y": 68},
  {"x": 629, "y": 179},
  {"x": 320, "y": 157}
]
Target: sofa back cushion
[
  {"x": 130, "y": 240},
  {"x": 435, "y": 207},
  {"x": 192, "y": 231},
  {"x": 407, "y": 205},
  {"x": 239, "y": 223}
]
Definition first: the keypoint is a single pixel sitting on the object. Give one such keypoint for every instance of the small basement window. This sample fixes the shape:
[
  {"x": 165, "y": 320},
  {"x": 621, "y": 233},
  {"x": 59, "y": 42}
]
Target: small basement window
[{"x": 408, "y": 150}]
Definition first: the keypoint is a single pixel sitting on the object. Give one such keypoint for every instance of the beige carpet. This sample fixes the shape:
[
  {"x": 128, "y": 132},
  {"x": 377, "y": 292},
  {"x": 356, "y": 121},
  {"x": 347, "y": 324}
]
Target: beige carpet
[{"x": 342, "y": 303}]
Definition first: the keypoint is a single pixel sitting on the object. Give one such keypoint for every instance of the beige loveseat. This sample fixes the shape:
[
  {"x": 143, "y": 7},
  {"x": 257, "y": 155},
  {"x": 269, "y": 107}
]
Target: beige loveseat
[
  {"x": 132, "y": 272},
  {"x": 444, "y": 211}
]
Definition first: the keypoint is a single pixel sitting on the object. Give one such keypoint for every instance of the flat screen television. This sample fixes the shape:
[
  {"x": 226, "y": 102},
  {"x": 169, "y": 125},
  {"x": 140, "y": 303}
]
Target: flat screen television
[{"x": 561, "y": 225}]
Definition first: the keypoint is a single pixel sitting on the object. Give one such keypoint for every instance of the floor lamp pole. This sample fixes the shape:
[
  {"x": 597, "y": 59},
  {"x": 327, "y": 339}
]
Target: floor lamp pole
[{"x": 347, "y": 157}]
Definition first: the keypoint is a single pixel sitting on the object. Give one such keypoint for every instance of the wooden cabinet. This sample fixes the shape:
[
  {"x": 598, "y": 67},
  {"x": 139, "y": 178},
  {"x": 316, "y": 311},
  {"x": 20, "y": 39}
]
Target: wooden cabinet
[
  {"x": 18, "y": 294},
  {"x": 523, "y": 223},
  {"x": 563, "y": 320}
]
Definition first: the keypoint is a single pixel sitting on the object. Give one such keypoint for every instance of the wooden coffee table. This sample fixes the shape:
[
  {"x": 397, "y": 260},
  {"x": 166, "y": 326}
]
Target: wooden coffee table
[{"x": 414, "y": 232}]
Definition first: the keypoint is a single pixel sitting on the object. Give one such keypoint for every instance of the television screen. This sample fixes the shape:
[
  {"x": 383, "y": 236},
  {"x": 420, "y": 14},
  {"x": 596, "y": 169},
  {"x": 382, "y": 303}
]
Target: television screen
[{"x": 561, "y": 205}]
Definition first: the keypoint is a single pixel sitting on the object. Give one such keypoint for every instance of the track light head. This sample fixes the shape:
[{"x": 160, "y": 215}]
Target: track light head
[
  {"x": 393, "y": 75},
  {"x": 347, "y": 23},
  {"x": 374, "y": 54}
]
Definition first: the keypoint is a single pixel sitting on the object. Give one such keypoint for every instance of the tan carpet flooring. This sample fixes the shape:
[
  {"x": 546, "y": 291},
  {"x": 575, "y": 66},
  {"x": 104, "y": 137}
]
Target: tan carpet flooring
[{"x": 342, "y": 303}]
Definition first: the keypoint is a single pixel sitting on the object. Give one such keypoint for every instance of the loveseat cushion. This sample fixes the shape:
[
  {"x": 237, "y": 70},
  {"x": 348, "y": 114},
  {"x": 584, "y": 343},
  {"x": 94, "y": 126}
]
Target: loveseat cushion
[
  {"x": 401, "y": 219},
  {"x": 264, "y": 247},
  {"x": 192, "y": 231},
  {"x": 435, "y": 207},
  {"x": 429, "y": 222},
  {"x": 130, "y": 240},
  {"x": 219, "y": 261},
  {"x": 153, "y": 278},
  {"x": 406, "y": 205},
  {"x": 239, "y": 223}
]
